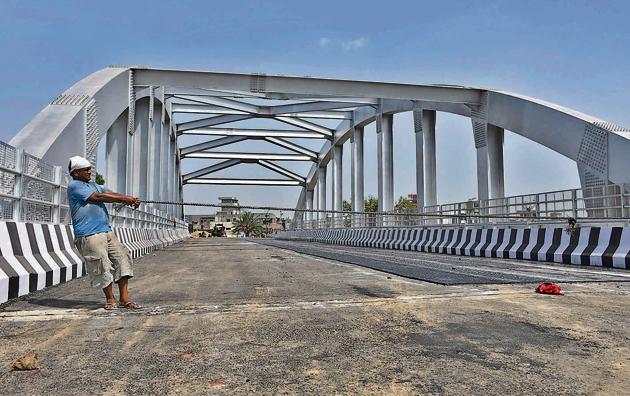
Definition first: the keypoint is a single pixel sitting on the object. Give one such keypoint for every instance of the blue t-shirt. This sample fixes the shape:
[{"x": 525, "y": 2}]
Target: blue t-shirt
[{"x": 88, "y": 218}]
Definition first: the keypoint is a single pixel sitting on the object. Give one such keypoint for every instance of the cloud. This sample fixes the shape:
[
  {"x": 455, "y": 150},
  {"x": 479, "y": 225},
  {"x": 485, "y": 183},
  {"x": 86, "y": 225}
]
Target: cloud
[
  {"x": 346, "y": 45},
  {"x": 357, "y": 43}
]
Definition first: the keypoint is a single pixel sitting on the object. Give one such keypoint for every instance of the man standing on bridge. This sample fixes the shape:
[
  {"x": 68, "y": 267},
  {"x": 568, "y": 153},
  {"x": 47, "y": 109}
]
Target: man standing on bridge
[{"x": 107, "y": 260}]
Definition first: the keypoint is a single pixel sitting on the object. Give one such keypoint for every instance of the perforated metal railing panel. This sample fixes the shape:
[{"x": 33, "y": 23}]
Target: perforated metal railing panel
[
  {"x": 39, "y": 190},
  {"x": 8, "y": 156},
  {"x": 33, "y": 166},
  {"x": 36, "y": 212},
  {"x": 7, "y": 183},
  {"x": 6, "y": 209}
]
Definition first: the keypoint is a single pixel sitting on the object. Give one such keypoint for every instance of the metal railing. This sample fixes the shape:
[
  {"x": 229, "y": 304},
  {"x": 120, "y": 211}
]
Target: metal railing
[
  {"x": 34, "y": 191},
  {"x": 605, "y": 204}
]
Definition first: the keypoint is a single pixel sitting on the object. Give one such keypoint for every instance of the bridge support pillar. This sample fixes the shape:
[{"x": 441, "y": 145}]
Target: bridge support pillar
[
  {"x": 384, "y": 130},
  {"x": 495, "y": 161},
  {"x": 178, "y": 186},
  {"x": 356, "y": 170},
  {"x": 165, "y": 151},
  {"x": 140, "y": 150},
  {"x": 417, "y": 127},
  {"x": 337, "y": 174},
  {"x": 116, "y": 156},
  {"x": 155, "y": 157},
  {"x": 321, "y": 191},
  {"x": 309, "y": 206},
  {"x": 171, "y": 175},
  {"x": 482, "y": 173},
  {"x": 430, "y": 177}
]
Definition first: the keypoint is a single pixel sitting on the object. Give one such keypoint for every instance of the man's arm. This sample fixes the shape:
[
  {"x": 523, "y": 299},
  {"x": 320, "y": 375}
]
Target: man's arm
[{"x": 112, "y": 197}]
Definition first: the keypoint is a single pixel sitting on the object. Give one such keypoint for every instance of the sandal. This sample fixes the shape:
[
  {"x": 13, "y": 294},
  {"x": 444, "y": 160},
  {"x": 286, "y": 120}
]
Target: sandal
[
  {"x": 109, "y": 306},
  {"x": 129, "y": 305}
]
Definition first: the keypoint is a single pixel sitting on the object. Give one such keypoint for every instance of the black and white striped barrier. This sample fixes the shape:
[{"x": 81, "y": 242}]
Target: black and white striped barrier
[
  {"x": 145, "y": 241},
  {"x": 35, "y": 256},
  {"x": 594, "y": 246}
]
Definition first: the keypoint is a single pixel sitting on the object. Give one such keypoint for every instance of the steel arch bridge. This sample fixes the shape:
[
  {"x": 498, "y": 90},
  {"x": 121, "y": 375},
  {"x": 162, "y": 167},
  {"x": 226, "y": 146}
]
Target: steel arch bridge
[{"x": 133, "y": 108}]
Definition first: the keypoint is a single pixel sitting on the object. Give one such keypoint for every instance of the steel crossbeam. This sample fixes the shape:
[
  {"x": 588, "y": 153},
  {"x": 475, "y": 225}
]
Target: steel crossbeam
[
  {"x": 246, "y": 182},
  {"x": 211, "y": 144},
  {"x": 211, "y": 169},
  {"x": 206, "y": 122},
  {"x": 253, "y": 132},
  {"x": 250, "y": 156}
]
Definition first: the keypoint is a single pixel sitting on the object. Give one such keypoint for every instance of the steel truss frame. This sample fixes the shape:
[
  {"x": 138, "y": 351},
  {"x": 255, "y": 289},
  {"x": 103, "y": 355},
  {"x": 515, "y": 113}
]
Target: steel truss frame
[{"x": 135, "y": 107}]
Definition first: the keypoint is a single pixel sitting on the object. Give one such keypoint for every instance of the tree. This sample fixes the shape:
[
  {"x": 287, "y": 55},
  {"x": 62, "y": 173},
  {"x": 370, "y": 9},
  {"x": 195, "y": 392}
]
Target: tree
[
  {"x": 403, "y": 204},
  {"x": 247, "y": 223},
  {"x": 99, "y": 179},
  {"x": 371, "y": 204},
  {"x": 346, "y": 207}
]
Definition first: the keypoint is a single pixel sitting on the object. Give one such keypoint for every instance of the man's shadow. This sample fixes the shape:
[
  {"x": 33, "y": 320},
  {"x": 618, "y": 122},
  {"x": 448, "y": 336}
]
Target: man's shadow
[{"x": 65, "y": 304}]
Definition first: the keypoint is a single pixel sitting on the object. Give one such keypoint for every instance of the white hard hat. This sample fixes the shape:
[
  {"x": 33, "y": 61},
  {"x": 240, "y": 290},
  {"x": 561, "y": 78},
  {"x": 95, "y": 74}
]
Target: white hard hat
[{"x": 78, "y": 162}]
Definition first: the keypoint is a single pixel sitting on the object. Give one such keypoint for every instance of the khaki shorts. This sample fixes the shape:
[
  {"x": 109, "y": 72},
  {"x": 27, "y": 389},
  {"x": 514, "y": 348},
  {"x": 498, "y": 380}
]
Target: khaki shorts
[{"x": 106, "y": 259}]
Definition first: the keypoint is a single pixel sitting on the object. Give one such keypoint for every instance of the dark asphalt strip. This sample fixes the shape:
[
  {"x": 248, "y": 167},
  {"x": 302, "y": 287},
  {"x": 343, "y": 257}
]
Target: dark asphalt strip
[{"x": 401, "y": 264}]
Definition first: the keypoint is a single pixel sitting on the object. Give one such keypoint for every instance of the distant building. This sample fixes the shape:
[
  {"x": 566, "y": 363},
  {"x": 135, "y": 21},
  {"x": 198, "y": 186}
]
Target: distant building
[
  {"x": 201, "y": 222},
  {"x": 230, "y": 210},
  {"x": 225, "y": 216}
]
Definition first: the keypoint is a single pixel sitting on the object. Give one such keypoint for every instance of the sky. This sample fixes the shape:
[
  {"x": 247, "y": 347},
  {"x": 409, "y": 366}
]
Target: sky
[{"x": 573, "y": 53}]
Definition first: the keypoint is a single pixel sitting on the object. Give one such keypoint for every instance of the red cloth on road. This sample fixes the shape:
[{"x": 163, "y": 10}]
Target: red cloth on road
[{"x": 549, "y": 288}]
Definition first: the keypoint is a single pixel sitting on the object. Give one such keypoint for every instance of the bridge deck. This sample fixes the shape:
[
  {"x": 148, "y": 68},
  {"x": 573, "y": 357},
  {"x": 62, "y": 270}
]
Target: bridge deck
[
  {"x": 233, "y": 316},
  {"x": 454, "y": 270}
]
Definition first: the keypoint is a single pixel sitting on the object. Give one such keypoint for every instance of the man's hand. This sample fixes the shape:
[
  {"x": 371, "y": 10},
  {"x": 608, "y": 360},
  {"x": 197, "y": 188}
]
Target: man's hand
[
  {"x": 131, "y": 201},
  {"x": 112, "y": 197}
]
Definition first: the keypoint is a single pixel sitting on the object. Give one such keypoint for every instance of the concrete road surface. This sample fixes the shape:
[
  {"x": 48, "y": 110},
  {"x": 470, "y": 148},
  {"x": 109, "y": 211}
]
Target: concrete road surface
[{"x": 227, "y": 316}]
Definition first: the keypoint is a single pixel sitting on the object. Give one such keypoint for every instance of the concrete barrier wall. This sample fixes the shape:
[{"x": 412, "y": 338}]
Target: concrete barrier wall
[
  {"x": 145, "y": 241},
  {"x": 35, "y": 256},
  {"x": 593, "y": 246}
]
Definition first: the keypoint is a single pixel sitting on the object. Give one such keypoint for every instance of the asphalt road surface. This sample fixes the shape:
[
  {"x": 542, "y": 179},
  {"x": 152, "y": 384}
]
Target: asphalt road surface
[
  {"x": 453, "y": 270},
  {"x": 228, "y": 316}
]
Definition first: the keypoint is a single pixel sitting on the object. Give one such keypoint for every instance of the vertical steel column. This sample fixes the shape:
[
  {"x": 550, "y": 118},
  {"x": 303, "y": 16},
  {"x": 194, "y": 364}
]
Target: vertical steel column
[
  {"x": 176, "y": 182},
  {"x": 379, "y": 160},
  {"x": 165, "y": 152},
  {"x": 116, "y": 155},
  {"x": 495, "y": 161},
  {"x": 179, "y": 210},
  {"x": 321, "y": 191},
  {"x": 309, "y": 207},
  {"x": 155, "y": 156},
  {"x": 352, "y": 171},
  {"x": 140, "y": 149},
  {"x": 315, "y": 201},
  {"x": 387, "y": 133},
  {"x": 480, "y": 137},
  {"x": 170, "y": 160},
  {"x": 430, "y": 178},
  {"x": 417, "y": 127},
  {"x": 358, "y": 190},
  {"x": 482, "y": 173},
  {"x": 130, "y": 160},
  {"x": 337, "y": 174}
]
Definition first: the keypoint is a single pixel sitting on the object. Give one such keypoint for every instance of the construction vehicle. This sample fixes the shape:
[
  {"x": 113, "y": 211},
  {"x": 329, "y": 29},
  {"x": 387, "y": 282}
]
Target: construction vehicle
[{"x": 218, "y": 231}]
